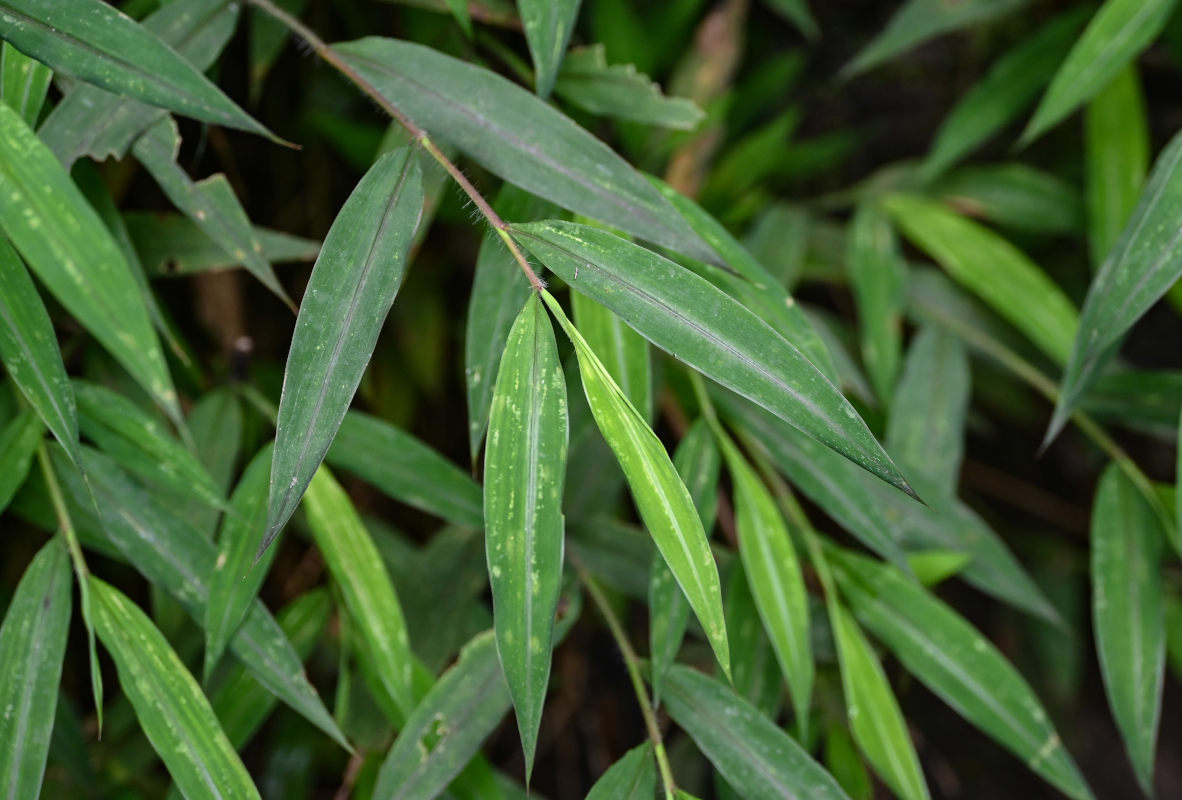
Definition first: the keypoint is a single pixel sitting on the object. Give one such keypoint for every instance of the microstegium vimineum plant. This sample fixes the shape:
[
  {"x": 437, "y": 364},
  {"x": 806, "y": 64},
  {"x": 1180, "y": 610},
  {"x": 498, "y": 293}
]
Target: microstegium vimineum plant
[{"x": 762, "y": 504}]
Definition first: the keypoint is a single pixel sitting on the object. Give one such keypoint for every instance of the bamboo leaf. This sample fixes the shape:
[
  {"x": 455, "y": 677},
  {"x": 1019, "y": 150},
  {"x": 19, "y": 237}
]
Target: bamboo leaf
[
  {"x": 215, "y": 422},
  {"x": 755, "y": 756},
  {"x": 878, "y": 276},
  {"x": 757, "y": 675},
  {"x": 171, "y": 708},
  {"x": 32, "y": 647},
  {"x": 687, "y": 317},
  {"x": 96, "y": 43},
  {"x": 29, "y": 351},
  {"x": 352, "y": 287},
  {"x": 24, "y": 82},
  {"x": 1116, "y": 35},
  {"x": 65, "y": 243},
  {"x": 524, "y": 467},
  {"x": 548, "y": 25},
  {"x": 664, "y": 503},
  {"x": 619, "y": 91},
  {"x": 1014, "y": 196},
  {"x": 632, "y": 777},
  {"x": 956, "y": 662},
  {"x": 447, "y": 726},
  {"x": 171, "y": 245},
  {"x": 797, "y": 12},
  {"x": 459, "y": 10},
  {"x": 516, "y": 136},
  {"x": 1116, "y": 139},
  {"x": 18, "y": 443},
  {"x": 356, "y": 567},
  {"x": 1129, "y": 614},
  {"x": 625, "y": 352}
]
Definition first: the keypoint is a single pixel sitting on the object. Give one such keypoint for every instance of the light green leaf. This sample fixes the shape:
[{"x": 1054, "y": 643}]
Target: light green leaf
[
  {"x": 18, "y": 443},
  {"x": 352, "y": 287},
  {"x": 619, "y": 91},
  {"x": 548, "y": 25},
  {"x": 991, "y": 268},
  {"x": 173, "y": 712},
  {"x": 1129, "y": 615},
  {"x": 633, "y": 777},
  {"x": 664, "y": 503},
  {"x": 958, "y": 664},
  {"x": 447, "y": 726},
  {"x": 919, "y": 20},
  {"x": 878, "y": 276},
  {"x": 516, "y": 136},
  {"x": 625, "y": 352},
  {"x": 356, "y": 567},
  {"x": 92, "y": 41},
  {"x": 172, "y": 245},
  {"x": 933, "y": 567},
  {"x": 30, "y": 353},
  {"x": 65, "y": 243},
  {"x": 698, "y": 324},
  {"x": 757, "y": 676},
  {"x": 797, "y": 12},
  {"x": 841, "y": 759},
  {"x": 32, "y": 646},
  {"x": 874, "y": 716},
  {"x": 1116, "y": 140},
  {"x": 1014, "y": 196},
  {"x": 1116, "y": 35},
  {"x": 524, "y": 467},
  {"x": 24, "y": 82},
  {"x": 755, "y": 756}
]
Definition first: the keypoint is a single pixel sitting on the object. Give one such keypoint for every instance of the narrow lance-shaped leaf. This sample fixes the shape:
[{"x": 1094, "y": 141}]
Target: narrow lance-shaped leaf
[
  {"x": 878, "y": 276},
  {"x": 1117, "y": 34},
  {"x": 171, "y": 245},
  {"x": 358, "y": 273},
  {"x": 1116, "y": 139},
  {"x": 956, "y": 662},
  {"x": 625, "y": 353},
  {"x": 172, "y": 710},
  {"x": 700, "y": 325},
  {"x": 459, "y": 9},
  {"x": 18, "y": 443},
  {"x": 66, "y": 244},
  {"x": 524, "y": 467},
  {"x": 1014, "y": 196},
  {"x": 215, "y": 422},
  {"x": 757, "y": 675},
  {"x": 1129, "y": 614},
  {"x": 664, "y": 503},
  {"x": 32, "y": 646},
  {"x": 30, "y": 353},
  {"x": 548, "y": 25},
  {"x": 94, "y": 42},
  {"x": 24, "y": 82},
  {"x": 797, "y": 12},
  {"x": 633, "y": 777}
]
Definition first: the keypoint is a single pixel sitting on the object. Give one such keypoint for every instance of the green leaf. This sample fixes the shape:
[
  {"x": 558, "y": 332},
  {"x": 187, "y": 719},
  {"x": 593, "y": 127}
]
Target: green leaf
[
  {"x": 172, "y": 245},
  {"x": 548, "y": 25},
  {"x": 1129, "y": 614},
  {"x": 447, "y": 727},
  {"x": 18, "y": 443},
  {"x": 173, "y": 712},
  {"x": 664, "y": 503},
  {"x": 32, "y": 646},
  {"x": 24, "y": 82},
  {"x": 524, "y": 467},
  {"x": 619, "y": 91},
  {"x": 991, "y": 268},
  {"x": 633, "y": 777},
  {"x": 1145, "y": 262},
  {"x": 920, "y": 20},
  {"x": 1009, "y": 86},
  {"x": 459, "y": 10},
  {"x": 215, "y": 422},
  {"x": 878, "y": 276},
  {"x": 235, "y": 580},
  {"x": 352, "y": 287},
  {"x": 625, "y": 352},
  {"x": 932, "y": 567},
  {"x": 925, "y": 429},
  {"x": 210, "y": 203},
  {"x": 516, "y": 136},
  {"x": 755, "y": 756},
  {"x": 406, "y": 469},
  {"x": 94, "y": 42},
  {"x": 356, "y": 567},
  {"x": 65, "y": 243},
  {"x": 1014, "y": 196},
  {"x": 698, "y": 324},
  {"x": 29, "y": 351},
  {"x": 958, "y": 664},
  {"x": 874, "y": 716},
  {"x": 1116, "y": 139},
  {"x": 757, "y": 676},
  {"x": 267, "y": 39},
  {"x": 1116, "y": 35},
  {"x": 841, "y": 759},
  {"x": 797, "y": 12}
]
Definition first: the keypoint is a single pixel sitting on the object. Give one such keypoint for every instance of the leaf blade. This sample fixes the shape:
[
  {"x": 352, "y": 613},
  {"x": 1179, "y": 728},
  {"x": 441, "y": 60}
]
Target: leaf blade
[{"x": 548, "y": 26}]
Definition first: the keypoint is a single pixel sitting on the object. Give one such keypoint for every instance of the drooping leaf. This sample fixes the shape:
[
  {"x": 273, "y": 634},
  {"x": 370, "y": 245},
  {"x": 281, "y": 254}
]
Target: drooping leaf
[
  {"x": 94, "y": 42},
  {"x": 18, "y": 442},
  {"x": 698, "y": 324},
  {"x": 30, "y": 353},
  {"x": 664, "y": 503},
  {"x": 24, "y": 82},
  {"x": 357, "y": 569},
  {"x": 633, "y": 777},
  {"x": 171, "y": 245},
  {"x": 215, "y": 422},
  {"x": 842, "y": 760},
  {"x": 352, "y": 287},
  {"x": 878, "y": 276},
  {"x": 518, "y": 137},
  {"x": 548, "y": 25},
  {"x": 1116, "y": 139},
  {"x": 619, "y": 91},
  {"x": 172, "y": 710},
  {"x": 1014, "y": 197},
  {"x": 1128, "y": 612},
  {"x": 65, "y": 243},
  {"x": 757, "y": 675},
  {"x": 524, "y": 468},
  {"x": 625, "y": 352},
  {"x": 957, "y": 663},
  {"x": 32, "y": 646},
  {"x": 1116, "y": 35},
  {"x": 755, "y": 756}
]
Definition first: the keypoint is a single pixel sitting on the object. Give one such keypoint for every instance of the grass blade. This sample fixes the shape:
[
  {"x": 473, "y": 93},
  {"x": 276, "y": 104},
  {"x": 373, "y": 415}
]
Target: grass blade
[
  {"x": 625, "y": 352},
  {"x": 548, "y": 25},
  {"x": 1116, "y": 139},
  {"x": 24, "y": 83},
  {"x": 18, "y": 443},
  {"x": 878, "y": 276},
  {"x": 757, "y": 675}
]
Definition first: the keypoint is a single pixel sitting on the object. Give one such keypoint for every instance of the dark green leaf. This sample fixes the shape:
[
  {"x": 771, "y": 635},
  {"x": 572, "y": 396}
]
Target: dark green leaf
[
  {"x": 797, "y": 12},
  {"x": 1116, "y": 138},
  {"x": 618, "y": 90},
  {"x": 548, "y": 25},
  {"x": 1014, "y": 196},
  {"x": 633, "y": 777},
  {"x": 757, "y": 676},
  {"x": 18, "y": 443},
  {"x": 173, "y": 245},
  {"x": 878, "y": 276}
]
